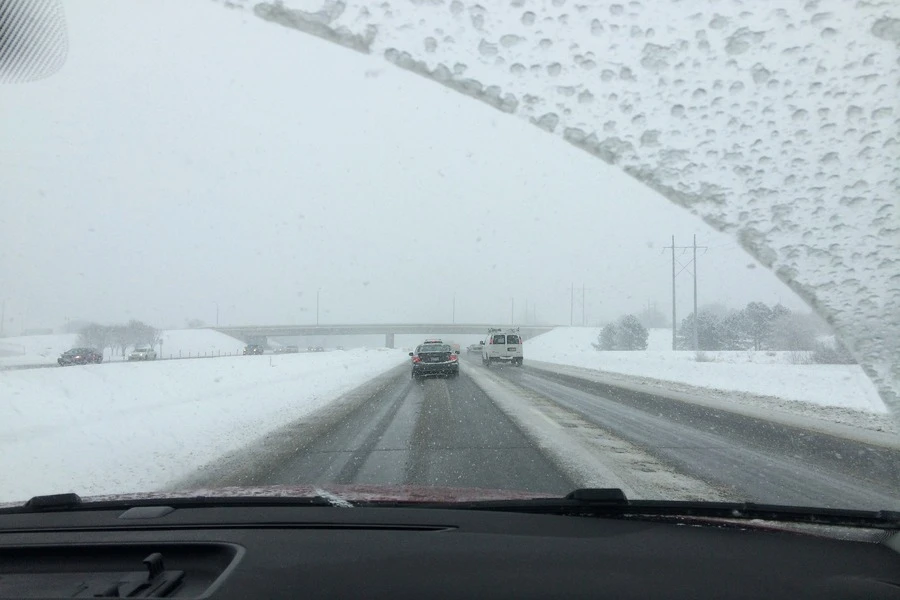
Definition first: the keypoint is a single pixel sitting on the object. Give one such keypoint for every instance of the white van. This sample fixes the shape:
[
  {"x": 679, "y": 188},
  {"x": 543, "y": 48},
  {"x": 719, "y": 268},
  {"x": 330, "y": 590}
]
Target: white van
[{"x": 503, "y": 346}]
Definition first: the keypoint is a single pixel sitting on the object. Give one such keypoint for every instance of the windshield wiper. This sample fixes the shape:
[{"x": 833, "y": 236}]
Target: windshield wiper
[
  {"x": 67, "y": 502},
  {"x": 612, "y": 502}
]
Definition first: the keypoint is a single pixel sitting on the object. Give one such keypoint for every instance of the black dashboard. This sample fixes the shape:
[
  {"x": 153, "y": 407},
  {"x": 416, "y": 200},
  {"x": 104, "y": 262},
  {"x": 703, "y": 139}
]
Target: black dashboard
[{"x": 317, "y": 552}]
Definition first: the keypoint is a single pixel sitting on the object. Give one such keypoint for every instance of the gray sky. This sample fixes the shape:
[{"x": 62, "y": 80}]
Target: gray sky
[{"x": 188, "y": 154}]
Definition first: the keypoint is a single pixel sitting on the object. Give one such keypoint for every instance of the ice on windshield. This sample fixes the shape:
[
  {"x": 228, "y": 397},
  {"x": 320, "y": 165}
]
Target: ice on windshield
[{"x": 290, "y": 192}]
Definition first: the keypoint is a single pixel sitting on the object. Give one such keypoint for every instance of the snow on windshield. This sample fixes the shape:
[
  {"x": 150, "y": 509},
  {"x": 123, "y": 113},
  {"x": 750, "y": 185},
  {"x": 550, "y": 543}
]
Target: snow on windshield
[{"x": 777, "y": 125}]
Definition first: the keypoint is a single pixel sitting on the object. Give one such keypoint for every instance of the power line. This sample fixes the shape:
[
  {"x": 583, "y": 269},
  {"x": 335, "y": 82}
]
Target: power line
[{"x": 691, "y": 263}]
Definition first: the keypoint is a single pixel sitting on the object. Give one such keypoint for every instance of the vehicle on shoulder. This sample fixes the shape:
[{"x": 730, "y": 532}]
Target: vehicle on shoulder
[
  {"x": 434, "y": 359},
  {"x": 502, "y": 346},
  {"x": 251, "y": 349},
  {"x": 145, "y": 352},
  {"x": 80, "y": 356},
  {"x": 475, "y": 348}
]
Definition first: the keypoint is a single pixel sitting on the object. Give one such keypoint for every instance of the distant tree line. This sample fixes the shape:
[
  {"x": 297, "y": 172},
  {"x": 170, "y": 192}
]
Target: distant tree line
[
  {"x": 118, "y": 337},
  {"x": 757, "y": 326}
]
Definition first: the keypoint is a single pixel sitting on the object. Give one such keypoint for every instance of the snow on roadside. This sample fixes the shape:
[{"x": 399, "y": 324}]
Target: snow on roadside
[
  {"x": 128, "y": 427},
  {"x": 45, "y": 349},
  {"x": 34, "y": 349},
  {"x": 757, "y": 373},
  {"x": 182, "y": 342}
]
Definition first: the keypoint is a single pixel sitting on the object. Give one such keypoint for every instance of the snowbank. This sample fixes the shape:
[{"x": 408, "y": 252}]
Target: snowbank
[
  {"x": 34, "y": 349},
  {"x": 176, "y": 343},
  {"x": 128, "y": 427},
  {"x": 193, "y": 342},
  {"x": 758, "y": 373}
]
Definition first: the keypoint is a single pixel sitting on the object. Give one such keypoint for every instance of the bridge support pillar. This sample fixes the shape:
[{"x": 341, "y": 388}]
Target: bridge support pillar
[{"x": 389, "y": 340}]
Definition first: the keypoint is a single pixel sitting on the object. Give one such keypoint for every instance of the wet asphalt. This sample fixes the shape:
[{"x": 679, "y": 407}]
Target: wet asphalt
[
  {"x": 437, "y": 432},
  {"x": 447, "y": 432},
  {"x": 747, "y": 458}
]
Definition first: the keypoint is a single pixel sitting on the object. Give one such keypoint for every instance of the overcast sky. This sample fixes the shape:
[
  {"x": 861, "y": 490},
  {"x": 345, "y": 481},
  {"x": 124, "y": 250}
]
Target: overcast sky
[{"x": 188, "y": 155}]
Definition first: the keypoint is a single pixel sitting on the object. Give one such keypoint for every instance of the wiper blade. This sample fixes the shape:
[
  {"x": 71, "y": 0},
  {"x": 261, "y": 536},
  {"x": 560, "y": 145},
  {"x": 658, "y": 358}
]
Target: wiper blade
[
  {"x": 71, "y": 502},
  {"x": 612, "y": 502}
]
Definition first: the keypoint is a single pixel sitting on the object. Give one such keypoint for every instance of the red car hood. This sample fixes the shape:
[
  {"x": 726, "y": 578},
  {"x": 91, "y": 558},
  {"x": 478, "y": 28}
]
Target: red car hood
[{"x": 338, "y": 494}]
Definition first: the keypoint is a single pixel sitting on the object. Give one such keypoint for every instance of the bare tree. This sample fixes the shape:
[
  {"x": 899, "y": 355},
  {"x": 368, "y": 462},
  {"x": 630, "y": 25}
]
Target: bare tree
[{"x": 94, "y": 336}]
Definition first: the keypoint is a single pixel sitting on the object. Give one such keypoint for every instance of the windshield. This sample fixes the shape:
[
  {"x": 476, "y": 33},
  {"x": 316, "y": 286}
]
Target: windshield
[
  {"x": 686, "y": 212},
  {"x": 434, "y": 348}
]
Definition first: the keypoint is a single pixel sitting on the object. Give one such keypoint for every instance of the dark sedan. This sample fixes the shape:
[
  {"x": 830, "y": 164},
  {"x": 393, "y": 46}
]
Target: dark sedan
[
  {"x": 434, "y": 359},
  {"x": 80, "y": 356}
]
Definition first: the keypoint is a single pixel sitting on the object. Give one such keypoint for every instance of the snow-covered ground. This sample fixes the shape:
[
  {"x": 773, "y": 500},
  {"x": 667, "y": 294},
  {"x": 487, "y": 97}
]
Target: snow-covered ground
[
  {"x": 194, "y": 342},
  {"x": 769, "y": 374},
  {"x": 34, "y": 349},
  {"x": 176, "y": 343},
  {"x": 127, "y": 427}
]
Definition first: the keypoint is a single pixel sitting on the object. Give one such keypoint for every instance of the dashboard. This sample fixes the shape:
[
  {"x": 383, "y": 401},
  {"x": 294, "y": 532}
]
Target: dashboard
[{"x": 317, "y": 552}]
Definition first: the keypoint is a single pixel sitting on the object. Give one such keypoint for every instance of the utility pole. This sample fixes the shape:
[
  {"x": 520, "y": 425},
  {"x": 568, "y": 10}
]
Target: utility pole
[
  {"x": 2, "y": 316},
  {"x": 696, "y": 316},
  {"x": 583, "y": 309},
  {"x": 454, "y": 308},
  {"x": 217, "y": 312},
  {"x": 512, "y": 311},
  {"x": 572, "y": 307},
  {"x": 674, "y": 322},
  {"x": 317, "y": 305},
  {"x": 693, "y": 263}
]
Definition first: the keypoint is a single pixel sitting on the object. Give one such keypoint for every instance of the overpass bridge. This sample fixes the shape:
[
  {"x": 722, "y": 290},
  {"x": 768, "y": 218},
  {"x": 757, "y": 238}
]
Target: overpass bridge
[{"x": 254, "y": 334}]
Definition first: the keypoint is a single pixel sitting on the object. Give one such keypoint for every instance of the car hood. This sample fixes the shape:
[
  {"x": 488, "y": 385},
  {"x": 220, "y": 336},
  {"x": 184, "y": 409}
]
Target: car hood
[{"x": 337, "y": 493}]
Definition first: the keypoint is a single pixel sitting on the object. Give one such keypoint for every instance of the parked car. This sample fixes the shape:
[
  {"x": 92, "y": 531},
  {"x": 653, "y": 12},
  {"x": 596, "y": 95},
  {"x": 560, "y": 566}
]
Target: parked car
[
  {"x": 434, "y": 359},
  {"x": 253, "y": 349},
  {"x": 475, "y": 348},
  {"x": 80, "y": 356},
  {"x": 502, "y": 346},
  {"x": 142, "y": 353}
]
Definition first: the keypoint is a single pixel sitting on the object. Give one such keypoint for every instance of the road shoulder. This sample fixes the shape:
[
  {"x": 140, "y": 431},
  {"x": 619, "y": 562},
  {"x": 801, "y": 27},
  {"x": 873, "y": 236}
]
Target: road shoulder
[{"x": 865, "y": 428}]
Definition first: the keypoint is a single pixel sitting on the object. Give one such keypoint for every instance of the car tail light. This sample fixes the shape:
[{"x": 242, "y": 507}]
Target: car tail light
[
  {"x": 416, "y": 359},
  {"x": 452, "y": 357}
]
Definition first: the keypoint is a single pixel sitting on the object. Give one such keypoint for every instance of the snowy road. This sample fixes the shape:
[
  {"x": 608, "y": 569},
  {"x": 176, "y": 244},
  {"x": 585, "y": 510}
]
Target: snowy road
[
  {"x": 438, "y": 432},
  {"x": 459, "y": 433},
  {"x": 744, "y": 457}
]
